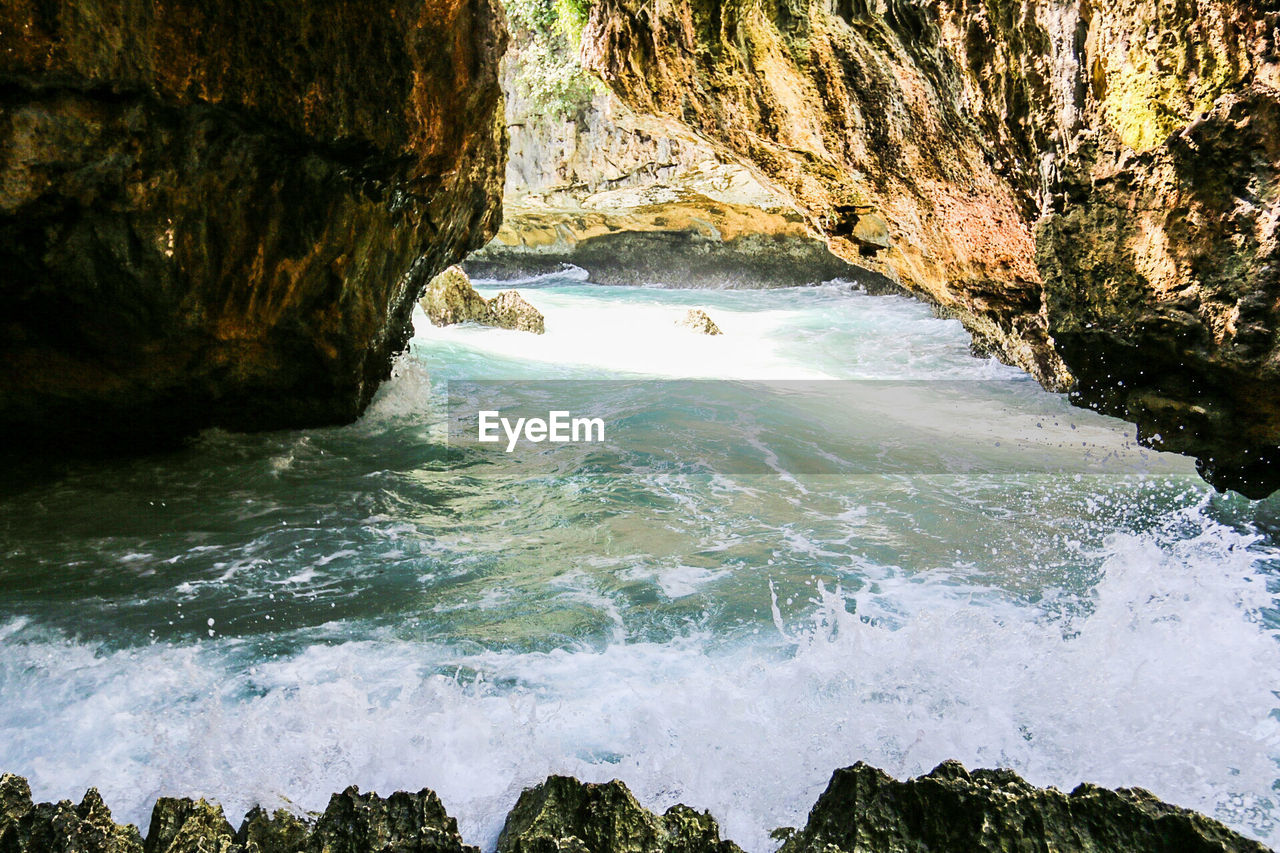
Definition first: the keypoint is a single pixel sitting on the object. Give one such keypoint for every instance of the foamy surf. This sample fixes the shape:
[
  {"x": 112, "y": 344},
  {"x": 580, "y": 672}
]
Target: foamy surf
[{"x": 280, "y": 616}]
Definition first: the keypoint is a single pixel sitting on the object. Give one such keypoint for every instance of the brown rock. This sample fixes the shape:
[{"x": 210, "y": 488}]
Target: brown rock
[
  {"x": 1050, "y": 180},
  {"x": 220, "y": 213},
  {"x": 697, "y": 320},
  {"x": 450, "y": 299},
  {"x": 509, "y": 310}
]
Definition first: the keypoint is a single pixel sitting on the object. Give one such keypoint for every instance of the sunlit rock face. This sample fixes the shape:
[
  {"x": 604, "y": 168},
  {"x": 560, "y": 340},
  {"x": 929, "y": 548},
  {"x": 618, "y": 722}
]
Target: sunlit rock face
[
  {"x": 220, "y": 213},
  {"x": 1090, "y": 187},
  {"x": 634, "y": 198}
]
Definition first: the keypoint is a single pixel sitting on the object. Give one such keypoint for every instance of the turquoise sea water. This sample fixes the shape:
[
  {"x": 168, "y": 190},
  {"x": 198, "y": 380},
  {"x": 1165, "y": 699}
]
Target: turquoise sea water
[{"x": 270, "y": 618}]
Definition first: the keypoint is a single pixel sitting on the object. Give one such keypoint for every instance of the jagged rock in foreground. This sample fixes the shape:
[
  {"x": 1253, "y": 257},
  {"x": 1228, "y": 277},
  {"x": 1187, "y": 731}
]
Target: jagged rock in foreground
[
  {"x": 450, "y": 299},
  {"x": 220, "y": 212},
  {"x": 61, "y": 827},
  {"x": 698, "y": 321},
  {"x": 864, "y": 810},
  {"x": 1089, "y": 187},
  {"x": 184, "y": 826},
  {"x": 401, "y": 823},
  {"x": 563, "y": 814}
]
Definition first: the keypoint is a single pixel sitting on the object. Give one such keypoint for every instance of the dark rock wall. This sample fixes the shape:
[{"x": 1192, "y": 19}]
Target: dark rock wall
[
  {"x": 1090, "y": 187},
  {"x": 220, "y": 213}
]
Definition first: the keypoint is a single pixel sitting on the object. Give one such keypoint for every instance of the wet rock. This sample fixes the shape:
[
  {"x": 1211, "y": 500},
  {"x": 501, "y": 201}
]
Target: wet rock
[
  {"x": 279, "y": 832},
  {"x": 450, "y": 299},
  {"x": 509, "y": 310},
  {"x": 220, "y": 213},
  {"x": 402, "y": 823},
  {"x": 62, "y": 827},
  {"x": 187, "y": 826},
  {"x": 563, "y": 814},
  {"x": 697, "y": 320},
  {"x": 864, "y": 810}
]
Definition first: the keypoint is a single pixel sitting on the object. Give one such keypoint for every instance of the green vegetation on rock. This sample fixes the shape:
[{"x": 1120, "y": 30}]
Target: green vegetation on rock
[{"x": 547, "y": 36}]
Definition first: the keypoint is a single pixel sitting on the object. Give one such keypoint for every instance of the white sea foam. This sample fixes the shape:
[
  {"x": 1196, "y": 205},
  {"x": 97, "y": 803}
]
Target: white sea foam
[{"x": 1164, "y": 680}]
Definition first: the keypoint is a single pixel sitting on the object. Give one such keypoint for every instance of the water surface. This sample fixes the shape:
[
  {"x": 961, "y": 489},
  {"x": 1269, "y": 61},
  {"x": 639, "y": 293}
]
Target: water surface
[{"x": 264, "y": 618}]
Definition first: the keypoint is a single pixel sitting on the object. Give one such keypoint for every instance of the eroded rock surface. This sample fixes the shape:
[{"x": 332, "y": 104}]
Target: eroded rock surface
[
  {"x": 634, "y": 198},
  {"x": 510, "y": 310},
  {"x": 563, "y": 814},
  {"x": 1089, "y": 187},
  {"x": 864, "y": 810},
  {"x": 220, "y": 213},
  {"x": 87, "y": 828},
  {"x": 450, "y": 299}
]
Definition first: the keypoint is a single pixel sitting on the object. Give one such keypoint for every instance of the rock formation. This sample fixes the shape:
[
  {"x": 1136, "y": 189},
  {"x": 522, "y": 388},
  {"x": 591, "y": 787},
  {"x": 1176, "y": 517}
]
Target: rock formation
[
  {"x": 220, "y": 213},
  {"x": 450, "y": 299},
  {"x": 698, "y": 321},
  {"x": 87, "y": 828},
  {"x": 509, "y": 310},
  {"x": 563, "y": 814},
  {"x": 1089, "y": 187},
  {"x": 862, "y": 811},
  {"x": 633, "y": 198}
]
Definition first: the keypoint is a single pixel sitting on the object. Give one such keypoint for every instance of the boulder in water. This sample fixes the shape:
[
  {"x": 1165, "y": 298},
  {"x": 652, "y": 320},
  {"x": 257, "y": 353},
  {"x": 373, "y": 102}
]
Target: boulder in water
[
  {"x": 450, "y": 299},
  {"x": 509, "y": 310},
  {"x": 698, "y": 321}
]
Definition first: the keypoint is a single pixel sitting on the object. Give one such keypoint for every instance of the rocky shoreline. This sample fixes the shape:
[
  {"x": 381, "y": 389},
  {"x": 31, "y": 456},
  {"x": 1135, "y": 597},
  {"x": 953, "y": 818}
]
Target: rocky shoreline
[{"x": 863, "y": 810}]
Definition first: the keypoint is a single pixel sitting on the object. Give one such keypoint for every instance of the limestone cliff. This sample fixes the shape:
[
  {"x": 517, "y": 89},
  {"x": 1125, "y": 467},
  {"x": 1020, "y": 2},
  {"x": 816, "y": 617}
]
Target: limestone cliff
[
  {"x": 1090, "y": 187},
  {"x": 630, "y": 197},
  {"x": 221, "y": 213}
]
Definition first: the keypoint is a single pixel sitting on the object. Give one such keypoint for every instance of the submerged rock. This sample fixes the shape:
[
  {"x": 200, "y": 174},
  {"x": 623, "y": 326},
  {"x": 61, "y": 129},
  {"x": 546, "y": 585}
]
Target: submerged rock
[
  {"x": 450, "y": 299},
  {"x": 61, "y": 827},
  {"x": 697, "y": 320},
  {"x": 563, "y": 814},
  {"x": 864, "y": 810}
]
